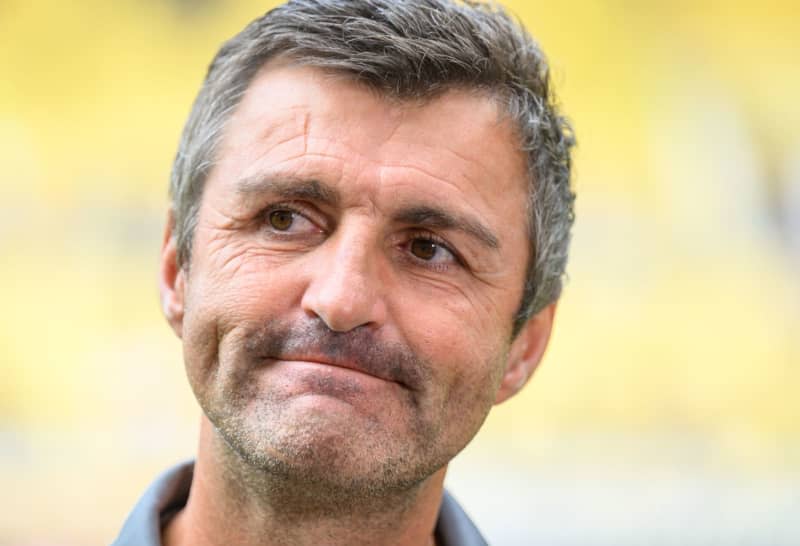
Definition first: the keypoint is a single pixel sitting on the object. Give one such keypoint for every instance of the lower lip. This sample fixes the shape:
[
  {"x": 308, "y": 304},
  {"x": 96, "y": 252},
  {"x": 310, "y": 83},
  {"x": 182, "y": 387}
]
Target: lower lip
[{"x": 310, "y": 377}]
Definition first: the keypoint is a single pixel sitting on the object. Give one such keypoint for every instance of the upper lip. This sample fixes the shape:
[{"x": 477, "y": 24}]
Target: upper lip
[{"x": 338, "y": 363}]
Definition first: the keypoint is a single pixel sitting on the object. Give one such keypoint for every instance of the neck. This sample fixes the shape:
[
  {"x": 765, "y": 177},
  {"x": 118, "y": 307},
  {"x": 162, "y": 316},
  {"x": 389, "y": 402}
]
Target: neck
[{"x": 232, "y": 503}]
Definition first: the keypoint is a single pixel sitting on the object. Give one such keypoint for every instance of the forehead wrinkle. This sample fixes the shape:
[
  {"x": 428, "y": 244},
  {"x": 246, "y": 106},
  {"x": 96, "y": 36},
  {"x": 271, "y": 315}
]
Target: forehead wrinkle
[
  {"x": 276, "y": 127},
  {"x": 474, "y": 171},
  {"x": 477, "y": 181}
]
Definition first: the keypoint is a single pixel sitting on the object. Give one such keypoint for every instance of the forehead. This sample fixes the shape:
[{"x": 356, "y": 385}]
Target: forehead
[{"x": 458, "y": 147}]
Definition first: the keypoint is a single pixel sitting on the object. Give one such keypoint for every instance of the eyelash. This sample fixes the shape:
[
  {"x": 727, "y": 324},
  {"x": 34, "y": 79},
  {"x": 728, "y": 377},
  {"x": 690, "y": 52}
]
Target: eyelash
[
  {"x": 438, "y": 241},
  {"x": 288, "y": 206}
]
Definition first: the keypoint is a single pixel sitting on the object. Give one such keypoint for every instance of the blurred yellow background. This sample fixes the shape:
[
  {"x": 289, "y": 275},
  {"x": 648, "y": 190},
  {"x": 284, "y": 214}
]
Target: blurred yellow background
[{"x": 667, "y": 408}]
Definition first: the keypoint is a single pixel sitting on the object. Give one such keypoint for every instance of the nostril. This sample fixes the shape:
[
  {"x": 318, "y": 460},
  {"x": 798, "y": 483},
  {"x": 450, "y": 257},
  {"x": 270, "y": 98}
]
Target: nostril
[{"x": 343, "y": 302}]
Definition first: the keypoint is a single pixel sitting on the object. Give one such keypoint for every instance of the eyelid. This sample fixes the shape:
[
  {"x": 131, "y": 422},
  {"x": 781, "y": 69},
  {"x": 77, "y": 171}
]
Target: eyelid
[
  {"x": 283, "y": 205},
  {"x": 296, "y": 207},
  {"x": 439, "y": 241}
]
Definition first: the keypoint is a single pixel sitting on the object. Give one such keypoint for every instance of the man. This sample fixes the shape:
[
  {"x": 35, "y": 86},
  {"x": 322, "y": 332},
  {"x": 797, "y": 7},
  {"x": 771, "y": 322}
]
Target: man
[{"x": 370, "y": 216}]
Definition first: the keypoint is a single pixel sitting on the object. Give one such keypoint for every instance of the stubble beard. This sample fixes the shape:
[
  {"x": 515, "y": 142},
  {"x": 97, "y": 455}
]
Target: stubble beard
[{"x": 318, "y": 462}]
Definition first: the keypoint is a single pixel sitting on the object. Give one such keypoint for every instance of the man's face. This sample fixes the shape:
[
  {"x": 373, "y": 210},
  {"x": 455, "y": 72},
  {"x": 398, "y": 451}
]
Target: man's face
[{"x": 346, "y": 317}]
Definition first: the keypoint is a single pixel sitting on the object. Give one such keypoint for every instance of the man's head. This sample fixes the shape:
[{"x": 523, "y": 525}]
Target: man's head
[
  {"x": 406, "y": 50},
  {"x": 365, "y": 193}
]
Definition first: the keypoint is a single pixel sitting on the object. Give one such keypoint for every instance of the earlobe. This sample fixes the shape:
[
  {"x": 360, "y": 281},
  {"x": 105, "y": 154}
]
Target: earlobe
[
  {"x": 172, "y": 280},
  {"x": 526, "y": 352}
]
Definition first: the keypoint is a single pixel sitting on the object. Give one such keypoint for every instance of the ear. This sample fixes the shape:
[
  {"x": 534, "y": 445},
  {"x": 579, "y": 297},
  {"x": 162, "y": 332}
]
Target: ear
[
  {"x": 172, "y": 279},
  {"x": 526, "y": 352}
]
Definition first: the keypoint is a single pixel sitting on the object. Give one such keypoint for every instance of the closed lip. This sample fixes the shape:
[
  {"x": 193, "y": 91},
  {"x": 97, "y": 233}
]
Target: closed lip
[{"x": 336, "y": 363}]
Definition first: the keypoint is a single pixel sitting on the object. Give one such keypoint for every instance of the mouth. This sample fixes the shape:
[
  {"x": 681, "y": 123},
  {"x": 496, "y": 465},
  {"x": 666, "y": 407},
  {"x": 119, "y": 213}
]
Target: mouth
[
  {"x": 350, "y": 355},
  {"x": 341, "y": 364}
]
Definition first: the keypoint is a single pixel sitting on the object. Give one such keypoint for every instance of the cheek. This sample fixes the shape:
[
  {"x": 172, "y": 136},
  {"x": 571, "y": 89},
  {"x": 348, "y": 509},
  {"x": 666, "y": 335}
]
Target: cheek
[
  {"x": 468, "y": 382},
  {"x": 238, "y": 277},
  {"x": 469, "y": 326},
  {"x": 226, "y": 302},
  {"x": 466, "y": 352},
  {"x": 475, "y": 307},
  {"x": 219, "y": 307}
]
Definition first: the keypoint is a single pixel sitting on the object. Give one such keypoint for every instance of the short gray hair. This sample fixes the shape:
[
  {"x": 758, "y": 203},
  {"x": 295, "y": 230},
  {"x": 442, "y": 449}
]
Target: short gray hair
[{"x": 405, "y": 49}]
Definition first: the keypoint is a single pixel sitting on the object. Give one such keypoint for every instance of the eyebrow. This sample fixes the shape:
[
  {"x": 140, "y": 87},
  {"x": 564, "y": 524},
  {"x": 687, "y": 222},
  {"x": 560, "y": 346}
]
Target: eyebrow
[
  {"x": 289, "y": 188},
  {"x": 425, "y": 216}
]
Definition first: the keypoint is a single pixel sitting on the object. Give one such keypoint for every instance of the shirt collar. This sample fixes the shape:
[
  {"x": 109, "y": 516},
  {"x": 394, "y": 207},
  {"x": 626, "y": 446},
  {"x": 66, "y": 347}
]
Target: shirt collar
[{"x": 170, "y": 491}]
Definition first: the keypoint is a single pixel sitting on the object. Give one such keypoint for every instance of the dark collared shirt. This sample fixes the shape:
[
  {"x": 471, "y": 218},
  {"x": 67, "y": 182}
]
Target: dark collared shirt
[{"x": 168, "y": 495}]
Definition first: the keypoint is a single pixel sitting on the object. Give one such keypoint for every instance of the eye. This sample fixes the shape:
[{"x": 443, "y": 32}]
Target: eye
[
  {"x": 429, "y": 250},
  {"x": 284, "y": 219}
]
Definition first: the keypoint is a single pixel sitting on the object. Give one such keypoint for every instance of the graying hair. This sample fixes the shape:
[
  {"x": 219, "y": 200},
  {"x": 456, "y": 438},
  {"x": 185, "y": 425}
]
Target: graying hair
[{"x": 405, "y": 49}]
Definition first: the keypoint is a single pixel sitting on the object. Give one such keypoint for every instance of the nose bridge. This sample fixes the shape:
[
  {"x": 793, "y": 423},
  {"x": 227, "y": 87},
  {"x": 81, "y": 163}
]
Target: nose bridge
[
  {"x": 345, "y": 289},
  {"x": 350, "y": 261}
]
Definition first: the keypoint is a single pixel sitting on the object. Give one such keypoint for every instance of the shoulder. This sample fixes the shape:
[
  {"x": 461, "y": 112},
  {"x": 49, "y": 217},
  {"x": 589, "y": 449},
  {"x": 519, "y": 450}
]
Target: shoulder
[
  {"x": 454, "y": 527},
  {"x": 165, "y": 496}
]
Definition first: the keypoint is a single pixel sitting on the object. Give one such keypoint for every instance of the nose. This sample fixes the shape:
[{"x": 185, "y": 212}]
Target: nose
[{"x": 345, "y": 289}]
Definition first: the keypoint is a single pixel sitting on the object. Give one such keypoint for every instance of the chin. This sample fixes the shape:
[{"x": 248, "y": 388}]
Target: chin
[{"x": 327, "y": 455}]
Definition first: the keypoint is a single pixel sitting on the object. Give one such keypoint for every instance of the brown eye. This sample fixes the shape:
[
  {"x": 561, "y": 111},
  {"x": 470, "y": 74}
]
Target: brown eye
[
  {"x": 423, "y": 249},
  {"x": 281, "y": 219}
]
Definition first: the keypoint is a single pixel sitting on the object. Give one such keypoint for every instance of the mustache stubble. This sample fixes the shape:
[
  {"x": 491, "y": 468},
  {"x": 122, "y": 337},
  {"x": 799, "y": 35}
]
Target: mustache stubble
[{"x": 392, "y": 360}]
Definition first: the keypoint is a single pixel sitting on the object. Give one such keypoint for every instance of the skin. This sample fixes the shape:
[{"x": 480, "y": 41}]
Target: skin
[{"x": 346, "y": 317}]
